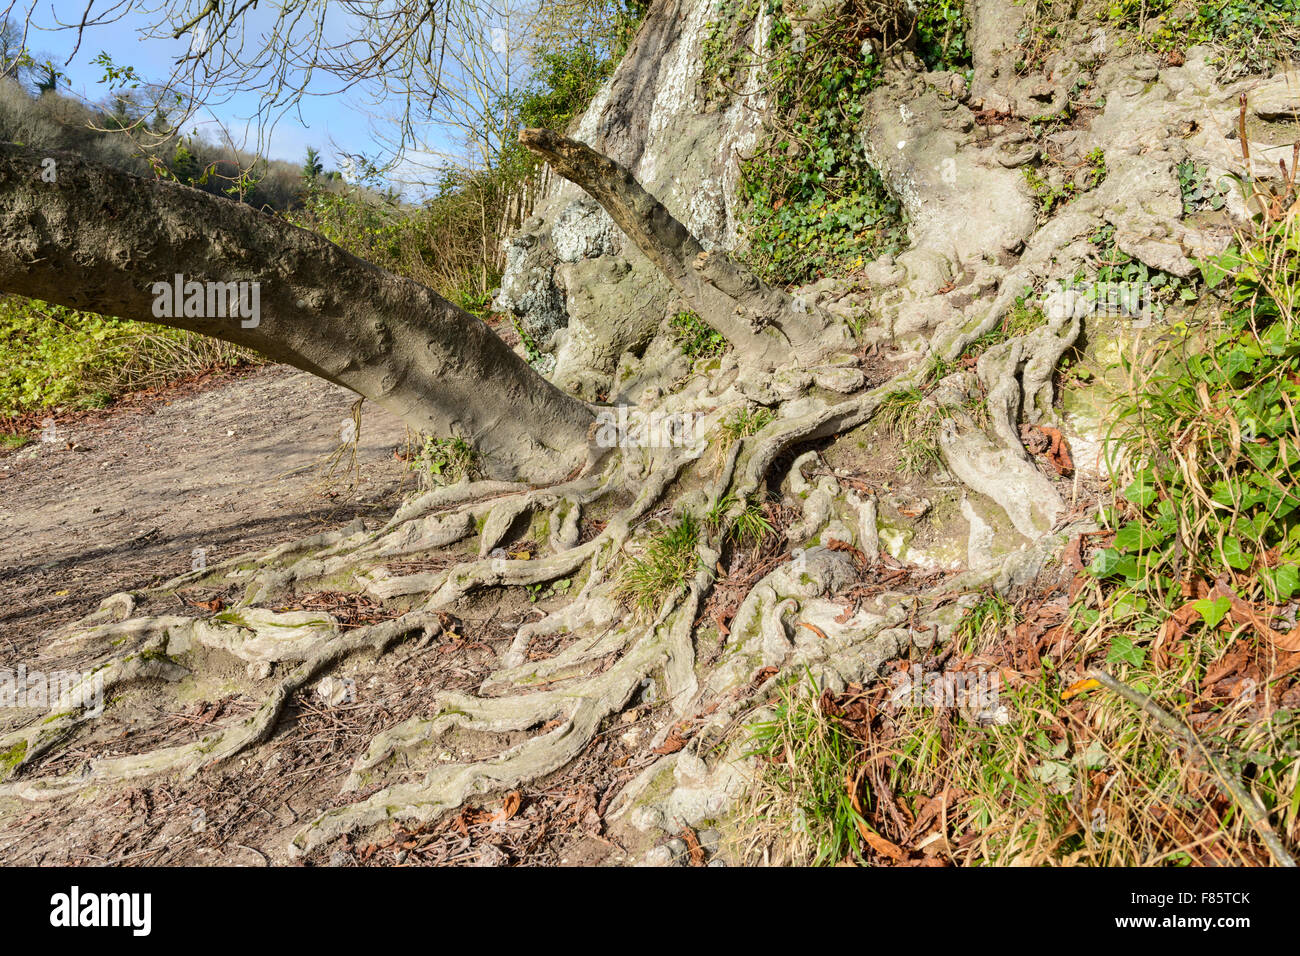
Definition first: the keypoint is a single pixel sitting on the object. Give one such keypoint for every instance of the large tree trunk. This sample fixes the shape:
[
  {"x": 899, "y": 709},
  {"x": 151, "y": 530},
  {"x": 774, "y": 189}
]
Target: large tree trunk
[{"x": 97, "y": 239}]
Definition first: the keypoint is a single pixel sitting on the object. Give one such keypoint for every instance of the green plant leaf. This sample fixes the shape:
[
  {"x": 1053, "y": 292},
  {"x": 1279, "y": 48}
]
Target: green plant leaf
[
  {"x": 1124, "y": 651},
  {"x": 1282, "y": 581},
  {"x": 1104, "y": 562},
  {"x": 1142, "y": 491},
  {"x": 1212, "y": 612},
  {"x": 1135, "y": 537},
  {"x": 1234, "y": 556}
]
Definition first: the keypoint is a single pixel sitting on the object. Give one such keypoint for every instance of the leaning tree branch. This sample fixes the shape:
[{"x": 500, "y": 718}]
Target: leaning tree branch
[
  {"x": 746, "y": 310},
  {"x": 97, "y": 239}
]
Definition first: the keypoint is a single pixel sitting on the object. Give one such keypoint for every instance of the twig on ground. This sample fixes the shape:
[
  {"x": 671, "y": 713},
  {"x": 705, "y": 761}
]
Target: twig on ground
[{"x": 1257, "y": 815}]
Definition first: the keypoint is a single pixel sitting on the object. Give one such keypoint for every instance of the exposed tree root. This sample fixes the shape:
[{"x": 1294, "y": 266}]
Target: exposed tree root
[
  {"x": 225, "y": 742},
  {"x": 579, "y": 710},
  {"x": 786, "y": 615},
  {"x": 786, "y": 622}
]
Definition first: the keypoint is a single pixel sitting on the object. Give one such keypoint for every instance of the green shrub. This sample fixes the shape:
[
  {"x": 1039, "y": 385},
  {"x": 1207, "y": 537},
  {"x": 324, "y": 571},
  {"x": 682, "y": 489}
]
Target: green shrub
[
  {"x": 1211, "y": 442},
  {"x": 696, "y": 339},
  {"x": 445, "y": 461},
  {"x": 941, "y": 27},
  {"x": 813, "y": 203},
  {"x": 53, "y": 356},
  {"x": 1248, "y": 35}
]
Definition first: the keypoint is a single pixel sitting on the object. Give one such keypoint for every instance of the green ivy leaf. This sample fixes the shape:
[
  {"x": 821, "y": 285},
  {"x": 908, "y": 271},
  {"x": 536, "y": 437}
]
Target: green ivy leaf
[
  {"x": 1212, "y": 612},
  {"x": 1104, "y": 562},
  {"x": 1124, "y": 651},
  {"x": 1142, "y": 492},
  {"x": 1282, "y": 581},
  {"x": 1234, "y": 556},
  {"x": 1214, "y": 270},
  {"x": 1134, "y": 537}
]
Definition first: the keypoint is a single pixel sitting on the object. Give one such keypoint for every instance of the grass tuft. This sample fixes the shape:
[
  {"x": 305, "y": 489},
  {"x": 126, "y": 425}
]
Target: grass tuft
[
  {"x": 799, "y": 808},
  {"x": 907, "y": 417},
  {"x": 445, "y": 461},
  {"x": 663, "y": 569}
]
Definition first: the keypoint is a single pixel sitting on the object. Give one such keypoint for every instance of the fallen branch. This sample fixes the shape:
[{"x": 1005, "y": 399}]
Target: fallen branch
[{"x": 1255, "y": 813}]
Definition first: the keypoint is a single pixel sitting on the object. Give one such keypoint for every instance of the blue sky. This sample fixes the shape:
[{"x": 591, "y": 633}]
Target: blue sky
[
  {"x": 331, "y": 121},
  {"x": 322, "y": 118}
]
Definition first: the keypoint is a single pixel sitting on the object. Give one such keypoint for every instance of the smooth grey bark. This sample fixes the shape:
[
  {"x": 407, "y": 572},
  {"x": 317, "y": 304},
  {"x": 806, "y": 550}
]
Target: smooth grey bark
[
  {"x": 764, "y": 324},
  {"x": 97, "y": 239}
]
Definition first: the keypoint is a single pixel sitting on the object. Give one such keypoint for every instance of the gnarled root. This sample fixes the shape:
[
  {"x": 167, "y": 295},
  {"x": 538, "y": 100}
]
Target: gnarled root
[
  {"x": 786, "y": 621},
  {"x": 226, "y": 742}
]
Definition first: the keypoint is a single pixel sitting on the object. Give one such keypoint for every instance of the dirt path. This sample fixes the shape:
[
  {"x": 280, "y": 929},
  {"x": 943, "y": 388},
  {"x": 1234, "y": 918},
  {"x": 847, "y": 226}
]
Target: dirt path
[
  {"x": 126, "y": 500},
  {"x": 122, "y": 501}
]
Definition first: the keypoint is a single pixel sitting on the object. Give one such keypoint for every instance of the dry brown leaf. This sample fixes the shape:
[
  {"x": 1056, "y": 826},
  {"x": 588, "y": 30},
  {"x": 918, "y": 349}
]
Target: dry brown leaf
[
  {"x": 510, "y": 806},
  {"x": 1049, "y": 442},
  {"x": 693, "y": 846},
  {"x": 930, "y": 810},
  {"x": 1243, "y": 613},
  {"x": 1176, "y": 626},
  {"x": 1235, "y": 658},
  {"x": 1172, "y": 631},
  {"x": 672, "y": 743},
  {"x": 835, "y": 544},
  {"x": 1287, "y": 665},
  {"x": 814, "y": 628},
  {"x": 881, "y": 845},
  {"x": 873, "y": 839},
  {"x": 1072, "y": 557},
  {"x": 1079, "y": 687}
]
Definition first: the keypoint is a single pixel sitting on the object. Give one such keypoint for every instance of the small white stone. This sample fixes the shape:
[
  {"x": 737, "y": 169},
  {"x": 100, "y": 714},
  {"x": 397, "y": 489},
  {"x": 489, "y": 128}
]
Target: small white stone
[
  {"x": 658, "y": 856},
  {"x": 334, "y": 691},
  {"x": 645, "y": 819},
  {"x": 690, "y": 767}
]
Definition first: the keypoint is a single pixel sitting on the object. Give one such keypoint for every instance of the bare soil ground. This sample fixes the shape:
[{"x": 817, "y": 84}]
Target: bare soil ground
[
  {"x": 121, "y": 501},
  {"x": 125, "y": 499}
]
